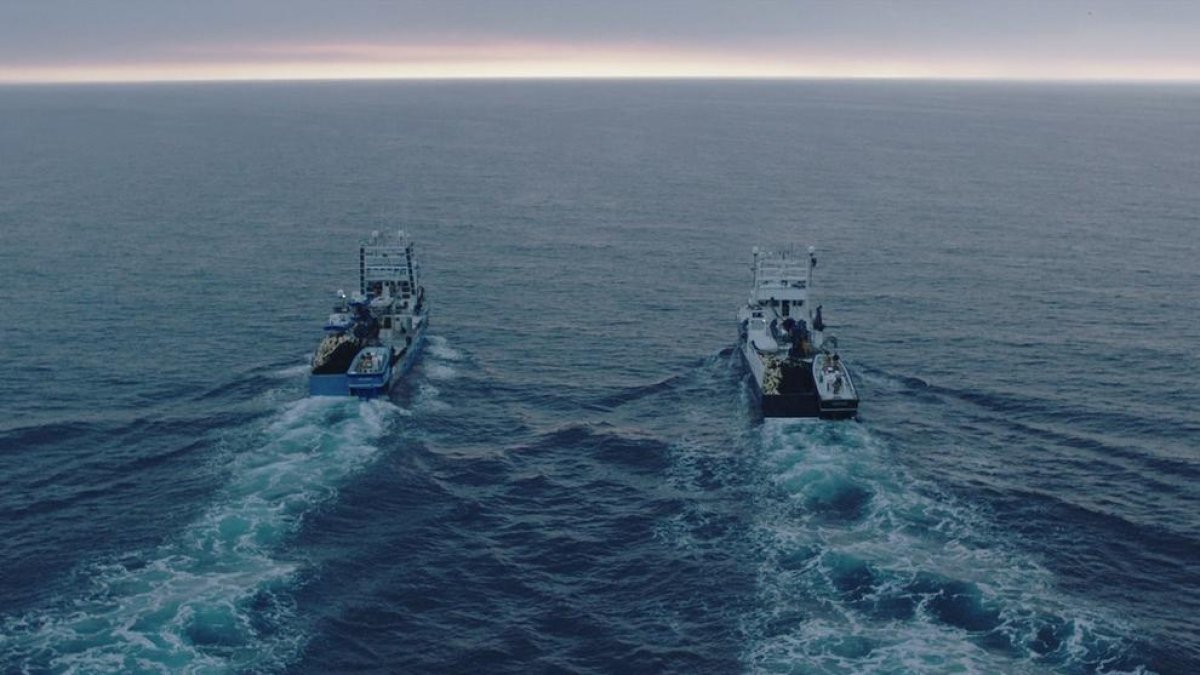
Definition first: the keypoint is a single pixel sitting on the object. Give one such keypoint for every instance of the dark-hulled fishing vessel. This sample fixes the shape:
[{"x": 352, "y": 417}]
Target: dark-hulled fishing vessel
[{"x": 795, "y": 369}]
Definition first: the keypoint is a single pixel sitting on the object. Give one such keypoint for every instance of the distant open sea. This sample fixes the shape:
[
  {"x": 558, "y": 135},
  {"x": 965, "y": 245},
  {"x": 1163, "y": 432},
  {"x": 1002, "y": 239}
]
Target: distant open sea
[{"x": 572, "y": 479}]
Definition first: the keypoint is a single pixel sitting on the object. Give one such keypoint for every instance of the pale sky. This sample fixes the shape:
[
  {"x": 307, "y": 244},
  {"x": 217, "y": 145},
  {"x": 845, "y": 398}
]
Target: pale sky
[{"x": 140, "y": 40}]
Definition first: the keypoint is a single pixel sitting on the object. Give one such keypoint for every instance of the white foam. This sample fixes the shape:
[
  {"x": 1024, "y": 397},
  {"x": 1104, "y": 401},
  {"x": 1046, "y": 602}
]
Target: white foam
[
  {"x": 291, "y": 372},
  {"x": 440, "y": 372},
  {"x": 839, "y": 644},
  {"x": 428, "y": 399},
  {"x": 185, "y": 609},
  {"x": 439, "y": 347},
  {"x": 903, "y": 532}
]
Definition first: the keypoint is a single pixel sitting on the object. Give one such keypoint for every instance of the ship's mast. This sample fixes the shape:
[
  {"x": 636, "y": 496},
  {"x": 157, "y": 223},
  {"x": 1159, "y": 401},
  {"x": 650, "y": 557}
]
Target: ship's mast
[{"x": 812, "y": 263}]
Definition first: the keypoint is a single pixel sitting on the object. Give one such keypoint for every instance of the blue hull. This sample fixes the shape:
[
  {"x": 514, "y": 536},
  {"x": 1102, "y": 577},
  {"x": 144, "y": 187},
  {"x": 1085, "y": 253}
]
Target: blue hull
[
  {"x": 366, "y": 387},
  {"x": 328, "y": 385}
]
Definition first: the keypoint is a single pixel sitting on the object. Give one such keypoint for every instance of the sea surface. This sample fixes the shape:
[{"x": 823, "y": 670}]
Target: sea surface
[{"x": 572, "y": 480}]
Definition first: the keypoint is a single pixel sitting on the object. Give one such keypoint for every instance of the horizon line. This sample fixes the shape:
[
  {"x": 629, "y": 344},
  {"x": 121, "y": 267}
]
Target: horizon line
[{"x": 253, "y": 79}]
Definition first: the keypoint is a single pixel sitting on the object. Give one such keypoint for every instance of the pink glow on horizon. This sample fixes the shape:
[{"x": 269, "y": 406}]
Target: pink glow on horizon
[{"x": 333, "y": 61}]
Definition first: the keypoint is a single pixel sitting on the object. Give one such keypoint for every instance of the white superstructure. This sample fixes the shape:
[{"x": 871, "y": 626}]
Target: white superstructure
[{"x": 390, "y": 277}]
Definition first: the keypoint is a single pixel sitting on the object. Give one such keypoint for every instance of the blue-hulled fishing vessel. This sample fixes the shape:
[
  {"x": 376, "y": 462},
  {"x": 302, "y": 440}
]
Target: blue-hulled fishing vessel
[{"x": 373, "y": 337}]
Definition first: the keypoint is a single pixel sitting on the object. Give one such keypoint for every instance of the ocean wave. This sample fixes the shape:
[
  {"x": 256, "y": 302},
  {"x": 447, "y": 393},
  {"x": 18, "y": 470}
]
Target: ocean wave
[
  {"x": 1036, "y": 408},
  {"x": 429, "y": 399},
  {"x": 214, "y": 596},
  {"x": 864, "y": 569},
  {"x": 439, "y": 347},
  {"x": 291, "y": 372},
  {"x": 440, "y": 371}
]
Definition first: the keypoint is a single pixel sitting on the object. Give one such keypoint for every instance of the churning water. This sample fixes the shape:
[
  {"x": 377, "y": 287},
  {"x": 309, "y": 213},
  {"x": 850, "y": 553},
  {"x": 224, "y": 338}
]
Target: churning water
[{"x": 571, "y": 479}]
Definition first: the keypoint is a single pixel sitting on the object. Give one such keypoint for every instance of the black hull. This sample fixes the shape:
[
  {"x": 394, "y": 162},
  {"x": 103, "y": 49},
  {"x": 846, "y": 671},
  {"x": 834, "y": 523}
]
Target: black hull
[
  {"x": 788, "y": 405},
  {"x": 801, "y": 405},
  {"x": 801, "y": 402}
]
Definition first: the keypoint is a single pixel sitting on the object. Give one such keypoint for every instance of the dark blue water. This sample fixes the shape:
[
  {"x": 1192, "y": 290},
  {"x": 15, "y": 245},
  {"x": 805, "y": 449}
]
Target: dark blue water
[{"x": 571, "y": 480}]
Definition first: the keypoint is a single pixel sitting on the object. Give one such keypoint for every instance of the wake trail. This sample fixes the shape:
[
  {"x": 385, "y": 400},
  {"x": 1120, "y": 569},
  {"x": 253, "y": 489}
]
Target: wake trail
[
  {"x": 214, "y": 598},
  {"x": 864, "y": 569}
]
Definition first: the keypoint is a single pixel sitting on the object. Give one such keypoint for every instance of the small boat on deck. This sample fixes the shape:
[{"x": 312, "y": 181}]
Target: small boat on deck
[{"x": 836, "y": 395}]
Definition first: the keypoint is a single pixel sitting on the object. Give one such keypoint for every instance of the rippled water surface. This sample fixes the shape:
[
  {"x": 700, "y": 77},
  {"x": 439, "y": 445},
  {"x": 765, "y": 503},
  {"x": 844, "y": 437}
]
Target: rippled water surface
[{"x": 571, "y": 480}]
